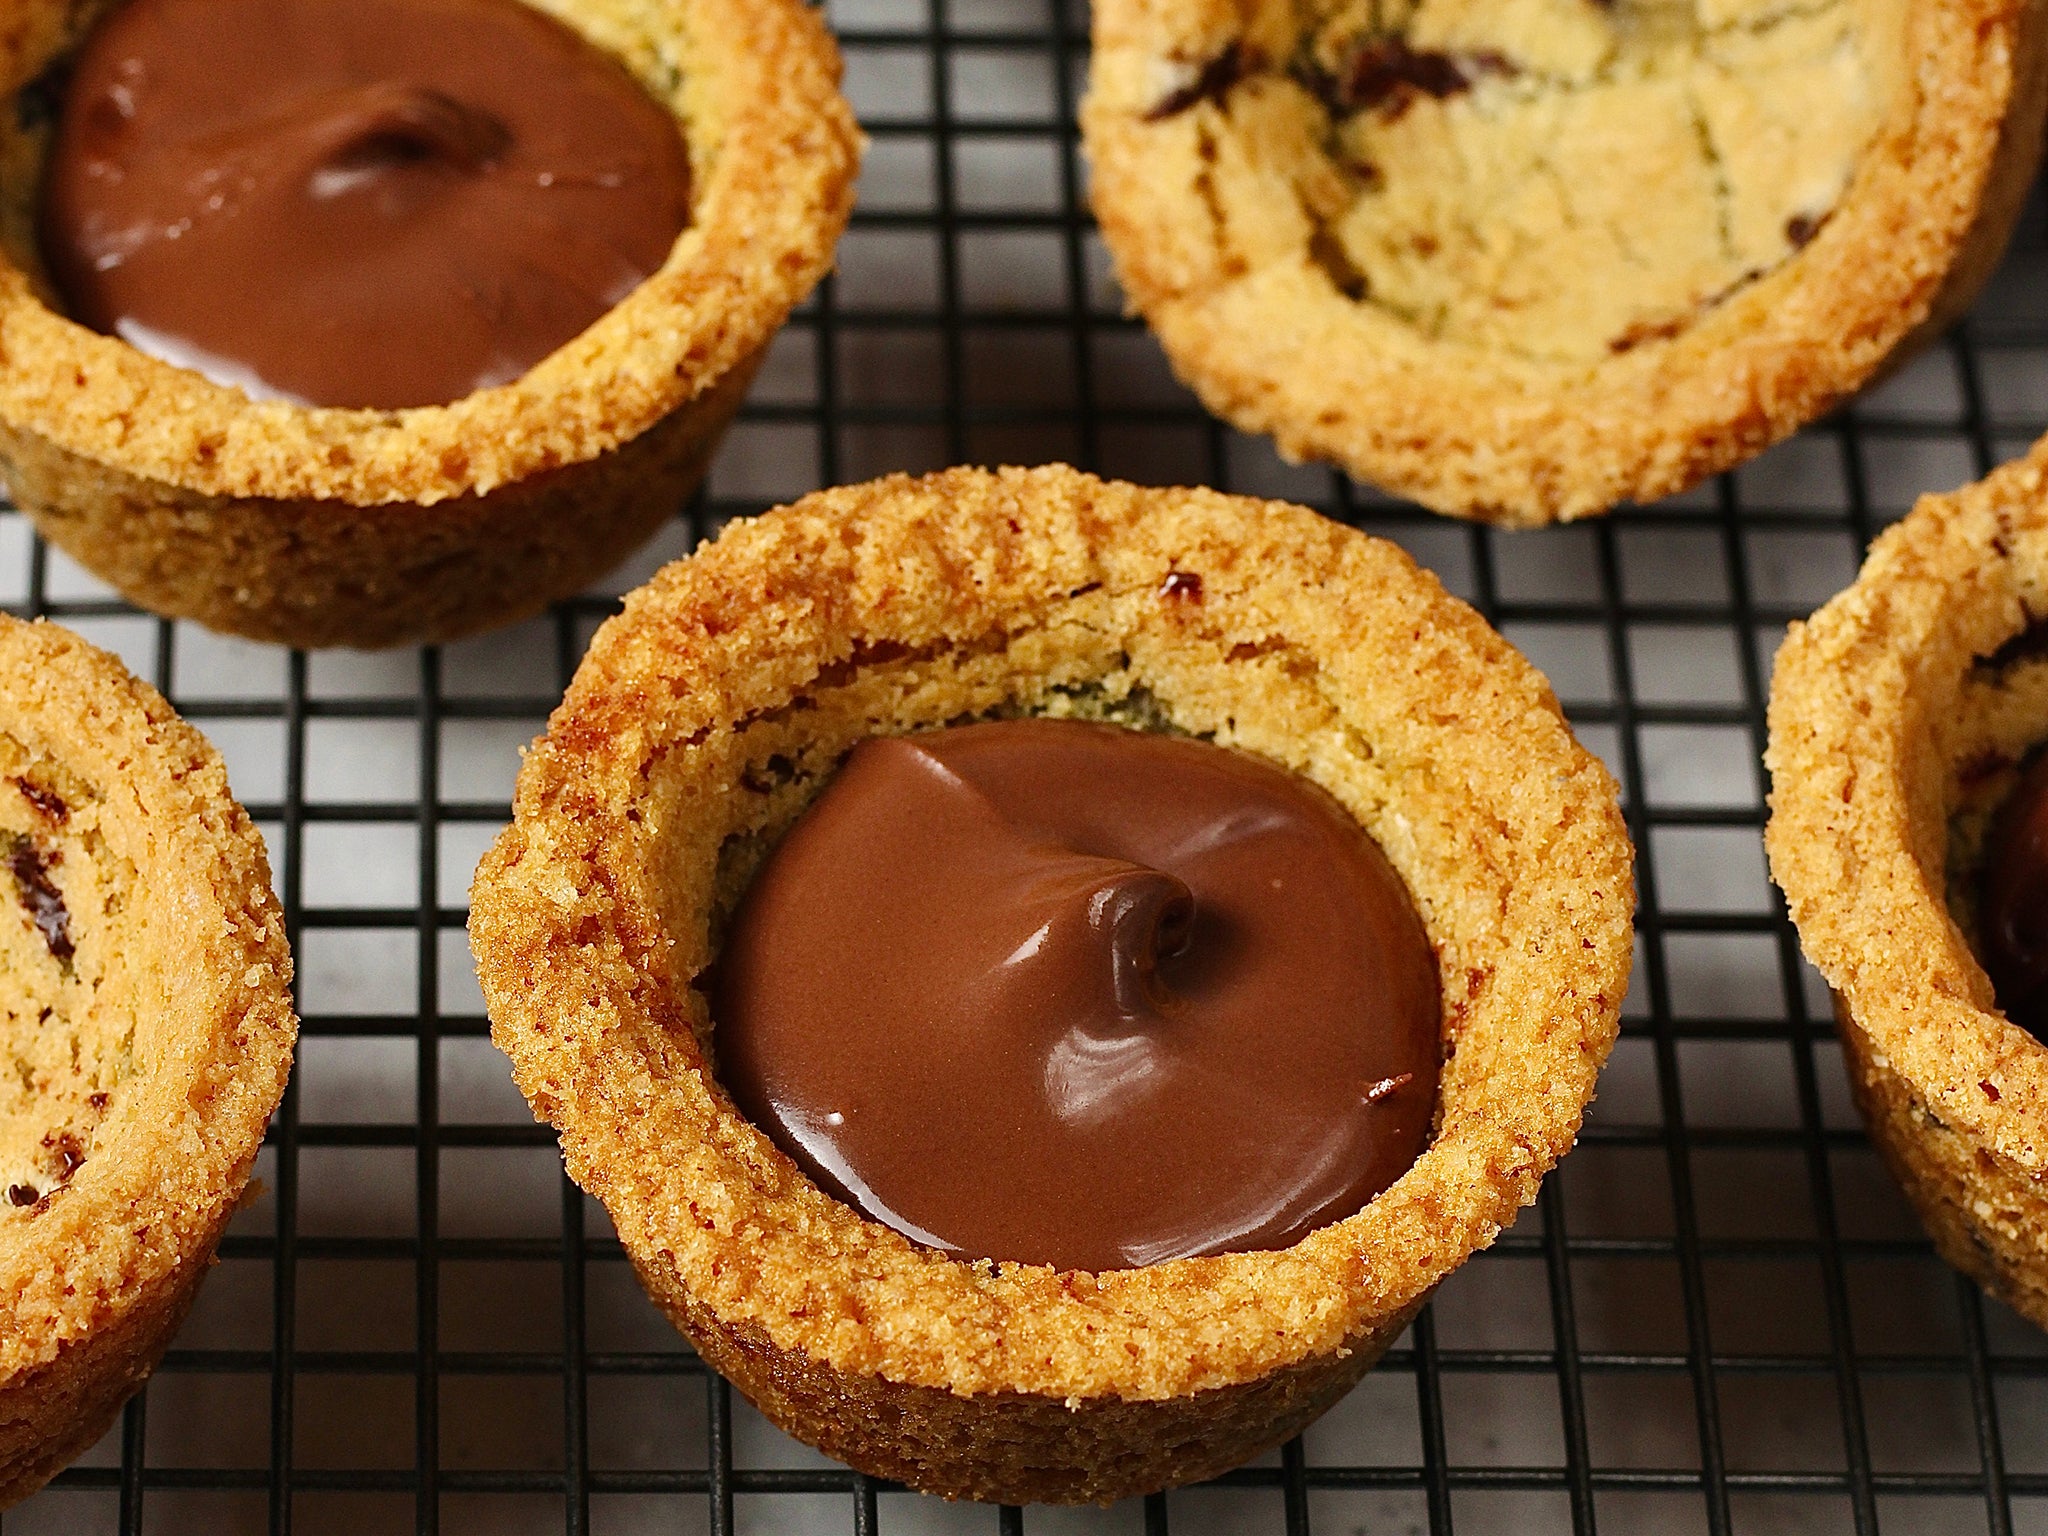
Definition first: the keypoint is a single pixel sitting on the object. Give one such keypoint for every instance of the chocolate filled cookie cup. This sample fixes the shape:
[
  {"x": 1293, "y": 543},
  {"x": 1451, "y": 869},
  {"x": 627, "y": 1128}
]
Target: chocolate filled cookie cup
[
  {"x": 708, "y": 716},
  {"x": 323, "y": 525},
  {"x": 1524, "y": 261},
  {"x": 144, "y": 995},
  {"x": 1902, "y": 715}
]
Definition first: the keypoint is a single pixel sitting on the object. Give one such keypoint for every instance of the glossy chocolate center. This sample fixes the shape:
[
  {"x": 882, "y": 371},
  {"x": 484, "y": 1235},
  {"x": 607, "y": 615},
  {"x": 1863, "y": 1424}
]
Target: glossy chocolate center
[
  {"x": 1070, "y": 994},
  {"x": 379, "y": 203},
  {"x": 2012, "y": 914}
]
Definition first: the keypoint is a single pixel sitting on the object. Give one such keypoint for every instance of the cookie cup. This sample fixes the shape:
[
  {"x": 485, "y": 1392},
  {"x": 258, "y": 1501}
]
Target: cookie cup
[
  {"x": 1548, "y": 269},
  {"x": 144, "y": 990},
  {"x": 1900, "y": 714},
  {"x": 370, "y": 528},
  {"x": 706, "y": 716}
]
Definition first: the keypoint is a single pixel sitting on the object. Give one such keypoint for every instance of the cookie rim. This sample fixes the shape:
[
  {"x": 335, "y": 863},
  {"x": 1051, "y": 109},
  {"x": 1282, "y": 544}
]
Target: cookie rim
[
  {"x": 229, "y": 1029},
  {"x": 774, "y": 150},
  {"x": 1521, "y": 443},
  {"x": 1858, "y": 829},
  {"x": 862, "y": 1298}
]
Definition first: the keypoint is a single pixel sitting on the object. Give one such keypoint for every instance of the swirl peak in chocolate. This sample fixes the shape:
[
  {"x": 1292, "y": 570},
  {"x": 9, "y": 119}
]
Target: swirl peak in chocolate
[
  {"x": 1069, "y": 994},
  {"x": 381, "y": 203}
]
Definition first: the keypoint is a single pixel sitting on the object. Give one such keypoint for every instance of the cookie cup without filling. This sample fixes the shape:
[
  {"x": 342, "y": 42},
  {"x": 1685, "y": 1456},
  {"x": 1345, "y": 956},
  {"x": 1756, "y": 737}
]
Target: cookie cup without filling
[
  {"x": 706, "y": 715},
  {"x": 1896, "y": 721},
  {"x": 1217, "y": 250},
  {"x": 149, "y": 1061},
  {"x": 369, "y": 528}
]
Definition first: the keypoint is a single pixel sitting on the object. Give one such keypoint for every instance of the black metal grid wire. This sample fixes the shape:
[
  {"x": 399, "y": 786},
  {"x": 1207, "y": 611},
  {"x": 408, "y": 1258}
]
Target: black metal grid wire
[{"x": 1718, "y": 1318}]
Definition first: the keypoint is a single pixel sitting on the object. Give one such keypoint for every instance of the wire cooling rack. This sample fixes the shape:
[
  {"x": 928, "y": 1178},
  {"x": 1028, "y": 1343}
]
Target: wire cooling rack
[{"x": 1719, "y": 1317}]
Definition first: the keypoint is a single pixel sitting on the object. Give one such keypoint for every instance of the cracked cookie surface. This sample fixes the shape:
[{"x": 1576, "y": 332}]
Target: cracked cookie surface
[
  {"x": 1525, "y": 259},
  {"x": 1559, "y": 178},
  {"x": 1555, "y": 177}
]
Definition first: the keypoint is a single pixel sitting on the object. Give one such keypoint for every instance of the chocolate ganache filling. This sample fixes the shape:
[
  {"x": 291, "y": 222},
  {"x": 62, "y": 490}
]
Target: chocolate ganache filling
[
  {"x": 1069, "y": 994},
  {"x": 381, "y": 203},
  {"x": 2012, "y": 913}
]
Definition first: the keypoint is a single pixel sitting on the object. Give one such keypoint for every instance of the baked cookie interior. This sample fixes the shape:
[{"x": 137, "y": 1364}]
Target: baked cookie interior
[
  {"x": 1559, "y": 180},
  {"x": 66, "y": 1036}
]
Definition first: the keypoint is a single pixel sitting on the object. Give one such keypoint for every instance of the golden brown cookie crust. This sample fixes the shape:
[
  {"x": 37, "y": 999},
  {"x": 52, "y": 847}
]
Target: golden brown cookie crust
[
  {"x": 1226, "y": 222},
  {"x": 706, "y": 715},
  {"x": 1895, "y": 724},
  {"x": 144, "y": 1064},
  {"x": 132, "y": 465}
]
